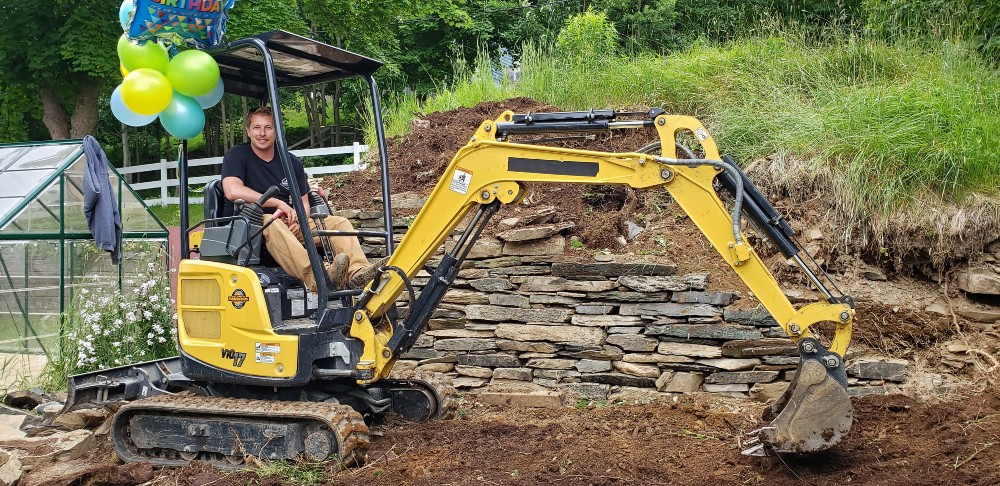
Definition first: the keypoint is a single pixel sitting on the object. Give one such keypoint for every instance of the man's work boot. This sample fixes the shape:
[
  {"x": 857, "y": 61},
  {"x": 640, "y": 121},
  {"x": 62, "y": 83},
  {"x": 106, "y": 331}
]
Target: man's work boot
[
  {"x": 367, "y": 274},
  {"x": 337, "y": 271}
]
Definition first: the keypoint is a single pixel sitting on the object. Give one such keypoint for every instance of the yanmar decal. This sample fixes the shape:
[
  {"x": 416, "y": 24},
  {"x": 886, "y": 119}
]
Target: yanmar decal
[{"x": 239, "y": 298}]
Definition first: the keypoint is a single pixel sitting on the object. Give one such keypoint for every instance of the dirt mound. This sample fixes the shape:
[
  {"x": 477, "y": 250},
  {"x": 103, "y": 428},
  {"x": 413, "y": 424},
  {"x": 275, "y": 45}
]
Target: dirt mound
[{"x": 418, "y": 160}]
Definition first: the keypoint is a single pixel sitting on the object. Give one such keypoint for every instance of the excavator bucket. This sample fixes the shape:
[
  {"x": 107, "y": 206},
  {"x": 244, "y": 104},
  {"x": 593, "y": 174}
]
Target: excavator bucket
[{"x": 815, "y": 411}]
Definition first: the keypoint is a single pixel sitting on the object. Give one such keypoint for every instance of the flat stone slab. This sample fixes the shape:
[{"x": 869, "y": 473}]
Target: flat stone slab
[
  {"x": 556, "y": 334},
  {"x": 619, "y": 379},
  {"x": 590, "y": 270},
  {"x": 670, "y": 309},
  {"x": 749, "y": 348},
  {"x": 688, "y": 349},
  {"x": 683, "y": 382},
  {"x": 889, "y": 369},
  {"x": 704, "y": 331},
  {"x": 731, "y": 364},
  {"x": 500, "y": 313},
  {"x": 521, "y": 394},
  {"x": 489, "y": 360},
  {"x": 733, "y": 377},
  {"x": 659, "y": 284},
  {"x": 726, "y": 388}
]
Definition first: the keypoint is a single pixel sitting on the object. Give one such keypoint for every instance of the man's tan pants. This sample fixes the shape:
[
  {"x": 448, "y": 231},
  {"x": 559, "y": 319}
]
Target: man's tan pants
[{"x": 287, "y": 249}]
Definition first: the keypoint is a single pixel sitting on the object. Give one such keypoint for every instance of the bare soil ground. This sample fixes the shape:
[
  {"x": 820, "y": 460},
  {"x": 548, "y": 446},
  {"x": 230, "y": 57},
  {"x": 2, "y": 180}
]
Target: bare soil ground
[
  {"x": 692, "y": 440},
  {"x": 948, "y": 438}
]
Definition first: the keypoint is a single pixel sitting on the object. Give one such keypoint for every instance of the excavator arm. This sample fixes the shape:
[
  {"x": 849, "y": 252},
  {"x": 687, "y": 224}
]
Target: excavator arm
[{"x": 490, "y": 170}]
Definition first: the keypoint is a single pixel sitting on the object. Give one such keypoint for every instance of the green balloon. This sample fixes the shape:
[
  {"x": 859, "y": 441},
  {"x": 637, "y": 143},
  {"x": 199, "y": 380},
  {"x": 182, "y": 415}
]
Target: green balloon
[
  {"x": 193, "y": 73},
  {"x": 149, "y": 55}
]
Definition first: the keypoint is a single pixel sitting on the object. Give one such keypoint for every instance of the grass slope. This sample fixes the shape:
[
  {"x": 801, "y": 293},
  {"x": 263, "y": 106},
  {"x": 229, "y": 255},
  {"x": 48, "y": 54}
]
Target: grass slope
[{"x": 894, "y": 127}]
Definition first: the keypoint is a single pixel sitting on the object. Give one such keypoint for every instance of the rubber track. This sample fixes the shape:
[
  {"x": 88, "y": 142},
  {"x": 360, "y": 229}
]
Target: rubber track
[
  {"x": 347, "y": 424},
  {"x": 438, "y": 384}
]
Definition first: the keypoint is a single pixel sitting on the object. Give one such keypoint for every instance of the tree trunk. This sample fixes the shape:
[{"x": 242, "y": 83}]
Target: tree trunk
[
  {"x": 53, "y": 115},
  {"x": 84, "y": 119},
  {"x": 126, "y": 156}
]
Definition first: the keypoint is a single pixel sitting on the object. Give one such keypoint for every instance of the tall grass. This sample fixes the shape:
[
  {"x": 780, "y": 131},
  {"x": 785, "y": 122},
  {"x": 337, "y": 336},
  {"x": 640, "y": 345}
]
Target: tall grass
[{"x": 895, "y": 120}]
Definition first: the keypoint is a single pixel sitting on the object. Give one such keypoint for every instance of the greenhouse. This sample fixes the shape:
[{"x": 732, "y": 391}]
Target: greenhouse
[{"x": 48, "y": 259}]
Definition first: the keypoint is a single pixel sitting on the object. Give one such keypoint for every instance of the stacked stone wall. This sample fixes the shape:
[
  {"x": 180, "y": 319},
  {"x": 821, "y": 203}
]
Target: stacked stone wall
[{"x": 520, "y": 312}]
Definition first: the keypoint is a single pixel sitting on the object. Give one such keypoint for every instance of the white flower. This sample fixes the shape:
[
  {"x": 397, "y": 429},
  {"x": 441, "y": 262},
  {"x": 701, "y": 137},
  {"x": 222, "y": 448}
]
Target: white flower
[
  {"x": 161, "y": 339},
  {"x": 147, "y": 314},
  {"x": 154, "y": 298}
]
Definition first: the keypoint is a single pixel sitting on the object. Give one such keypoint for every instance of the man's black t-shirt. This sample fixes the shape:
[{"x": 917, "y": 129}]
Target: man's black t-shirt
[{"x": 240, "y": 161}]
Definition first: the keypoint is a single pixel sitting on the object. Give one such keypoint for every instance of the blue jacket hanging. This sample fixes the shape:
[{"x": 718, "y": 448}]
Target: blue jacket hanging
[{"x": 99, "y": 202}]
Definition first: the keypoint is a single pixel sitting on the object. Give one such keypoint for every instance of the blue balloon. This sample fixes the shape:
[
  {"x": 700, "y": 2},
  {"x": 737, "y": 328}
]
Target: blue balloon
[
  {"x": 125, "y": 11},
  {"x": 126, "y": 115},
  {"x": 183, "y": 117},
  {"x": 213, "y": 97}
]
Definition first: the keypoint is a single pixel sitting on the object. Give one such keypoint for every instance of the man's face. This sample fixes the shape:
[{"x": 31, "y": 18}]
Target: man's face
[{"x": 261, "y": 132}]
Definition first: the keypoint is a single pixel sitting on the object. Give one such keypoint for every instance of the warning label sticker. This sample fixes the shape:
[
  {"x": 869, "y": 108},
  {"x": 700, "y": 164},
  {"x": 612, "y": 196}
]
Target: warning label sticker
[
  {"x": 265, "y": 352},
  {"x": 460, "y": 181},
  {"x": 268, "y": 348}
]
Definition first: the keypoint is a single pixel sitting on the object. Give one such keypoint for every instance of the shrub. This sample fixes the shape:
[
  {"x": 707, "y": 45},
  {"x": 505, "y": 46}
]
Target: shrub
[
  {"x": 109, "y": 328},
  {"x": 586, "y": 37}
]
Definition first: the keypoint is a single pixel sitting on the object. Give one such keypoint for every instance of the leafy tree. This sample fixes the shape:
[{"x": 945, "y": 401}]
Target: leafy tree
[
  {"x": 587, "y": 36},
  {"x": 64, "y": 51},
  {"x": 15, "y": 108},
  {"x": 252, "y": 17},
  {"x": 643, "y": 24}
]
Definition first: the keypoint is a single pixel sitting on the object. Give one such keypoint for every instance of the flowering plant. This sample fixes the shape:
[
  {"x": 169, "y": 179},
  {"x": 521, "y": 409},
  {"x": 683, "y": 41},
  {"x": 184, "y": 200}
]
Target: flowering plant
[{"x": 114, "y": 328}]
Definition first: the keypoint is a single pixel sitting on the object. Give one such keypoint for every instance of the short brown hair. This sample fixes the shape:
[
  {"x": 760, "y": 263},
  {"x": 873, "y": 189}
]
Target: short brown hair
[{"x": 260, "y": 110}]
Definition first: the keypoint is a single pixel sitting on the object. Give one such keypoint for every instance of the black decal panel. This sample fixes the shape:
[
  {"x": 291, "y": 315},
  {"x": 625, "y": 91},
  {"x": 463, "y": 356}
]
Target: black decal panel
[{"x": 557, "y": 167}]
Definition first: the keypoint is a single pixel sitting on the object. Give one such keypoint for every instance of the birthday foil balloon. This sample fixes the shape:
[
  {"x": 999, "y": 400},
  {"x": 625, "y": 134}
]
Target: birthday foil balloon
[{"x": 199, "y": 23}]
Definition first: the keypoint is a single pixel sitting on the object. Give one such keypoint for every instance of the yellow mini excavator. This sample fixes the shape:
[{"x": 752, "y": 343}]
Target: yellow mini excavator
[{"x": 265, "y": 371}]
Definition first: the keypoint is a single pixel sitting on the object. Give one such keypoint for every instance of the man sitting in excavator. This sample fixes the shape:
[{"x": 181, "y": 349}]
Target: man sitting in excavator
[{"x": 249, "y": 169}]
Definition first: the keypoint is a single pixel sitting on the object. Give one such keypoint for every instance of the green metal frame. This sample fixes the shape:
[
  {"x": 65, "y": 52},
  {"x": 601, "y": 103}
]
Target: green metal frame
[{"x": 62, "y": 236}]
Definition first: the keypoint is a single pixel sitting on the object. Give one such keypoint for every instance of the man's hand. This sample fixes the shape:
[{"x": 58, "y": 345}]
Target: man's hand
[{"x": 289, "y": 217}]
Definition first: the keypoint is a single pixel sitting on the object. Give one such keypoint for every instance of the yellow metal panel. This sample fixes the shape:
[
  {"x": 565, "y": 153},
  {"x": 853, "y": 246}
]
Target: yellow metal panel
[
  {"x": 201, "y": 292},
  {"x": 202, "y": 324},
  {"x": 245, "y": 343}
]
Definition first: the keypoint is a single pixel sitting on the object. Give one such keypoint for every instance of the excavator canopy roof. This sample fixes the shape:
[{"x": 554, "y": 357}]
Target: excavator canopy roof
[{"x": 298, "y": 61}]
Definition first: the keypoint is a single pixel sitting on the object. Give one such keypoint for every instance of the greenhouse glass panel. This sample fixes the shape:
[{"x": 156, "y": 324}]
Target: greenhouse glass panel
[
  {"x": 19, "y": 183},
  {"x": 29, "y": 295},
  {"x": 9, "y": 154},
  {"x": 46, "y": 157},
  {"x": 49, "y": 264},
  {"x": 38, "y": 217}
]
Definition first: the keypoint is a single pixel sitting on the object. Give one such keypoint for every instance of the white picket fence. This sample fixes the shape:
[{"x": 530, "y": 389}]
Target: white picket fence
[{"x": 164, "y": 183}]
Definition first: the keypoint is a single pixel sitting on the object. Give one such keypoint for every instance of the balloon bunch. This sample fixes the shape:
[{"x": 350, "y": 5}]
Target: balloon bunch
[{"x": 175, "y": 90}]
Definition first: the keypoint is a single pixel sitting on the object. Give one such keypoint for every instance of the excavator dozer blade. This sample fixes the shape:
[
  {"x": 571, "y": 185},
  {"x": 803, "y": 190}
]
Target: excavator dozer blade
[{"x": 813, "y": 414}]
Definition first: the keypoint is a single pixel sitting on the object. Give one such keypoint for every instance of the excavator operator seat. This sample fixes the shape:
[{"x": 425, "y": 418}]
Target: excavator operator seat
[{"x": 215, "y": 202}]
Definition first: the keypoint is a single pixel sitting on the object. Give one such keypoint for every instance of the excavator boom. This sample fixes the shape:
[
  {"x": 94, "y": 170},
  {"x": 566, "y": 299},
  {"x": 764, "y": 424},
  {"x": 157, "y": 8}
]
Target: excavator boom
[{"x": 491, "y": 170}]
